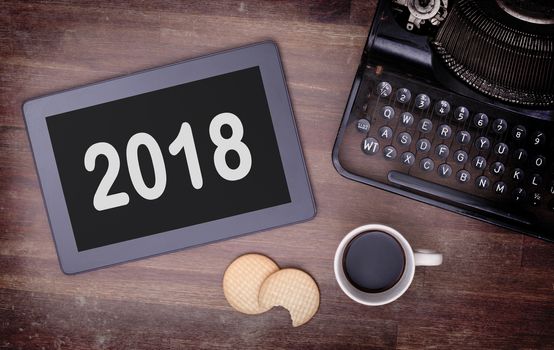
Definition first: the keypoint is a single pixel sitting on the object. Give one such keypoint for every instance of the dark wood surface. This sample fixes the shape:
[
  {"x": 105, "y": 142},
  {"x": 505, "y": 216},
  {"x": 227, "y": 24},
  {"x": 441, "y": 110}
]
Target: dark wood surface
[{"x": 494, "y": 290}]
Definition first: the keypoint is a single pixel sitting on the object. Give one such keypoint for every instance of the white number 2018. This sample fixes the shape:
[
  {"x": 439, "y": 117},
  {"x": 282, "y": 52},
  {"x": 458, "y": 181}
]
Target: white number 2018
[{"x": 184, "y": 141}]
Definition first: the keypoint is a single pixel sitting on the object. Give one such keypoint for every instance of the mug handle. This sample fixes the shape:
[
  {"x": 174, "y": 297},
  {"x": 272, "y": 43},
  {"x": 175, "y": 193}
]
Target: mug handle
[{"x": 427, "y": 257}]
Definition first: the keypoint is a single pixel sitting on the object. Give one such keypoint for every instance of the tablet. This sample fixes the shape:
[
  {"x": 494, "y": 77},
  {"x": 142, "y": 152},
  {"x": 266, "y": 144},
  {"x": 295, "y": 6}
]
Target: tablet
[{"x": 190, "y": 153}]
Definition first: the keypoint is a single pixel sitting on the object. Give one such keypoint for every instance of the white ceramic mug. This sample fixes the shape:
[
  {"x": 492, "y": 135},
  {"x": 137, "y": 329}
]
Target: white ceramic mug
[{"x": 413, "y": 258}]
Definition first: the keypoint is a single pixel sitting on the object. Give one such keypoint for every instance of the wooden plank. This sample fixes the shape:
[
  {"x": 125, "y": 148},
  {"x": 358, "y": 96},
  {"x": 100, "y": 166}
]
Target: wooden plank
[{"x": 494, "y": 290}]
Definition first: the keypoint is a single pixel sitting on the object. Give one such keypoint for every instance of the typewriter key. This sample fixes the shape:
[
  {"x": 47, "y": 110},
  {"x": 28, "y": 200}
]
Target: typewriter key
[
  {"x": 407, "y": 158},
  {"x": 442, "y": 151},
  {"x": 461, "y": 114},
  {"x": 463, "y": 176},
  {"x": 483, "y": 182},
  {"x": 520, "y": 155},
  {"x": 479, "y": 163},
  {"x": 463, "y": 137},
  {"x": 444, "y": 170},
  {"x": 425, "y": 125},
  {"x": 499, "y": 187},
  {"x": 426, "y": 164},
  {"x": 442, "y": 108},
  {"x": 407, "y": 119},
  {"x": 370, "y": 146},
  {"x": 389, "y": 153},
  {"x": 519, "y": 133},
  {"x": 423, "y": 145},
  {"x": 387, "y": 112},
  {"x": 501, "y": 149},
  {"x": 539, "y": 139},
  {"x": 497, "y": 168},
  {"x": 363, "y": 125},
  {"x": 535, "y": 180},
  {"x": 518, "y": 174},
  {"x": 482, "y": 143},
  {"x": 384, "y": 89},
  {"x": 422, "y": 101},
  {"x": 403, "y": 95},
  {"x": 499, "y": 126},
  {"x": 481, "y": 120},
  {"x": 518, "y": 194},
  {"x": 460, "y": 156}
]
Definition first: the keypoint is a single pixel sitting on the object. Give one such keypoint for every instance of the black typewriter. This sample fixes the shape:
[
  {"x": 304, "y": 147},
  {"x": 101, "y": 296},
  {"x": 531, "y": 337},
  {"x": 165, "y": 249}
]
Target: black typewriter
[{"x": 453, "y": 105}]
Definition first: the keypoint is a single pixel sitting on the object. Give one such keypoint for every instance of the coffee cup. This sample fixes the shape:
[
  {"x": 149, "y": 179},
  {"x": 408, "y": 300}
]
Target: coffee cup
[{"x": 374, "y": 264}]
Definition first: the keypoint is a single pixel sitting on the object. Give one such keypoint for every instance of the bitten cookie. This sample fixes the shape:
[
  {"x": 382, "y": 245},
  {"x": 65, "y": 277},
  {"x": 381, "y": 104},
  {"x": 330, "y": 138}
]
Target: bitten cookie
[
  {"x": 294, "y": 290},
  {"x": 242, "y": 281}
]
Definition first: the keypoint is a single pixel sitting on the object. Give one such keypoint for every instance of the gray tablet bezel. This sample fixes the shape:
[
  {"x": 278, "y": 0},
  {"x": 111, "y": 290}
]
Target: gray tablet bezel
[{"x": 264, "y": 55}]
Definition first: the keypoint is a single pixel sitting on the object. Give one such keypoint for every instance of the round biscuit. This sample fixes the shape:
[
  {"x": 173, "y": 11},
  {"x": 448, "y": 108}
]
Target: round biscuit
[
  {"x": 242, "y": 281},
  {"x": 294, "y": 290}
]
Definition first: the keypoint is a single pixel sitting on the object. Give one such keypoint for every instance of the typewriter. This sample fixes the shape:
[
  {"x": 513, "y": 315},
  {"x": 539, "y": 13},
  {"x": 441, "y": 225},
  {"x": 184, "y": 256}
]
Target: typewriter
[{"x": 453, "y": 105}]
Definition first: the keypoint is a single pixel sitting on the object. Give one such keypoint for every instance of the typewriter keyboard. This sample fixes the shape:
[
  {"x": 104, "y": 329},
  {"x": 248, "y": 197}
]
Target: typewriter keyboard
[{"x": 443, "y": 148}]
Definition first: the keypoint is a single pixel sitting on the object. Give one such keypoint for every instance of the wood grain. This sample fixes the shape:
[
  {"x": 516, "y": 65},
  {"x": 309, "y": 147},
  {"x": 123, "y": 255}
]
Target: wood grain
[{"x": 494, "y": 290}]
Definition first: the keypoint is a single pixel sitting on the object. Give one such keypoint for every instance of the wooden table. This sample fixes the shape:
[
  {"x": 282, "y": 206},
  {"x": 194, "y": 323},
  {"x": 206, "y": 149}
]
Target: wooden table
[{"x": 494, "y": 290}]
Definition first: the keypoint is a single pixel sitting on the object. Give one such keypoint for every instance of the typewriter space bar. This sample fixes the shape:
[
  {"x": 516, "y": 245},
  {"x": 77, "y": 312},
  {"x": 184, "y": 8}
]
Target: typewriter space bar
[{"x": 454, "y": 197}]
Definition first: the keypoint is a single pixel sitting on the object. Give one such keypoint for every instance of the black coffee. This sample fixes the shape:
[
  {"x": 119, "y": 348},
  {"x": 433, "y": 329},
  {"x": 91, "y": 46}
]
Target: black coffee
[{"x": 373, "y": 261}]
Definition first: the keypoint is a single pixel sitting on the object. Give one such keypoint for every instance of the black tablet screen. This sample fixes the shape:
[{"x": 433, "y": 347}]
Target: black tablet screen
[{"x": 167, "y": 159}]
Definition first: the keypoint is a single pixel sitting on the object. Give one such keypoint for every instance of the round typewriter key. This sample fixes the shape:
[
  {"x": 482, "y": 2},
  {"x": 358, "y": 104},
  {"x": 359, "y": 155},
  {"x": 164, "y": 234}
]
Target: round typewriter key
[
  {"x": 535, "y": 180},
  {"x": 463, "y": 137},
  {"x": 407, "y": 158},
  {"x": 423, "y": 145},
  {"x": 539, "y": 161},
  {"x": 442, "y": 151},
  {"x": 407, "y": 119},
  {"x": 518, "y": 174},
  {"x": 387, "y": 112},
  {"x": 520, "y": 155},
  {"x": 444, "y": 170},
  {"x": 501, "y": 149},
  {"x": 461, "y": 114},
  {"x": 384, "y": 89},
  {"x": 404, "y": 138},
  {"x": 425, "y": 125},
  {"x": 518, "y": 194},
  {"x": 479, "y": 163},
  {"x": 463, "y": 176},
  {"x": 499, "y": 126},
  {"x": 442, "y": 108},
  {"x": 499, "y": 187},
  {"x": 480, "y": 120},
  {"x": 403, "y": 95},
  {"x": 362, "y": 125},
  {"x": 370, "y": 146},
  {"x": 519, "y": 133},
  {"x": 536, "y": 199},
  {"x": 539, "y": 139},
  {"x": 482, "y": 143},
  {"x": 427, "y": 164},
  {"x": 389, "y": 153},
  {"x": 422, "y": 101},
  {"x": 385, "y": 132},
  {"x": 497, "y": 168},
  {"x": 444, "y": 131},
  {"x": 483, "y": 182},
  {"x": 460, "y": 156}
]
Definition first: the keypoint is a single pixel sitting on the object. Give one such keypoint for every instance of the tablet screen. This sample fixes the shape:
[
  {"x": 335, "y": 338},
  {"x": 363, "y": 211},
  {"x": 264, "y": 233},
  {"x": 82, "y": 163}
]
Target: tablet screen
[{"x": 168, "y": 159}]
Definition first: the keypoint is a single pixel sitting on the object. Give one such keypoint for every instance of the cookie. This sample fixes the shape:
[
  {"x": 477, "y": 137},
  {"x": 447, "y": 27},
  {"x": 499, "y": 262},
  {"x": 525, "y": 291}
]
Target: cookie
[
  {"x": 294, "y": 290},
  {"x": 242, "y": 281}
]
